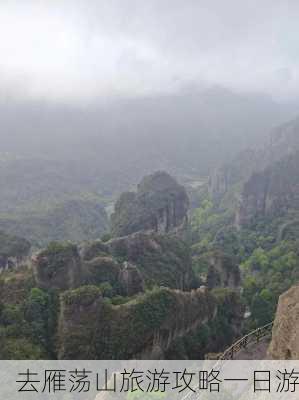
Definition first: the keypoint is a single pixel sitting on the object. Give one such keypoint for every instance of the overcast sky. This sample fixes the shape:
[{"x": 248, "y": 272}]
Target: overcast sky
[{"x": 80, "y": 50}]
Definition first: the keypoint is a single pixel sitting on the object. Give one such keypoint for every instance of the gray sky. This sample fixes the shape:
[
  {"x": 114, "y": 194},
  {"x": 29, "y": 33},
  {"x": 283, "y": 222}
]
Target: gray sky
[{"x": 82, "y": 50}]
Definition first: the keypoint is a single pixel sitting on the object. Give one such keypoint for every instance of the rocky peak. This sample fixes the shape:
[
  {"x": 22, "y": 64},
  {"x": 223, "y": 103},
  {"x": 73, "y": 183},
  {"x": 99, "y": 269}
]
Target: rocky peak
[{"x": 160, "y": 204}]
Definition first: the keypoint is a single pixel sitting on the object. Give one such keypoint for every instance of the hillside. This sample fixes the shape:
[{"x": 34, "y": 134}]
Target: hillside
[
  {"x": 75, "y": 219},
  {"x": 250, "y": 210},
  {"x": 126, "y": 292}
]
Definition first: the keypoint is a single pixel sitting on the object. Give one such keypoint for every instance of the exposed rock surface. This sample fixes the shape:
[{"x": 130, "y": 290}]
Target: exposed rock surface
[
  {"x": 128, "y": 264},
  {"x": 272, "y": 192},
  {"x": 92, "y": 328},
  {"x": 162, "y": 259},
  {"x": 240, "y": 169},
  {"x": 58, "y": 266},
  {"x": 260, "y": 183},
  {"x": 160, "y": 205},
  {"x": 285, "y": 334}
]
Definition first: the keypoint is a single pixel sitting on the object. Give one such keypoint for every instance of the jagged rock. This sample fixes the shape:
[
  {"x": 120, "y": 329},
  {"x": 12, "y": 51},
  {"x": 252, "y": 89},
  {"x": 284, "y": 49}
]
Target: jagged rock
[
  {"x": 161, "y": 259},
  {"x": 89, "y": 327},
  {"x": 272, "y": 192},
  {"x": 160, "y": 205},
  {"x": 128, "y": 264},
  {"x": 285, "y": 334},
  {"x": 283, "y": 142},
  {"x": 223, "y": 271},
  {"x": 58, "y": 266}
]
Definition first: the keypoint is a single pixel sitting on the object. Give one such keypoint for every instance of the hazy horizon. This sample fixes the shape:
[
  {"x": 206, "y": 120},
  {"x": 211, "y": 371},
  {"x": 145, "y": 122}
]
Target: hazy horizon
[{"x": 78, "y": 52}]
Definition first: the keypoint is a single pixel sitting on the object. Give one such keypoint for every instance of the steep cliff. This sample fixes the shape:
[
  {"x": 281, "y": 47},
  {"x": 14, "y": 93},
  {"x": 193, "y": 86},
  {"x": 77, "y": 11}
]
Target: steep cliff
[
  {"x": 90, "y": 327},
  {"x": 14, "y": 251},
  {"x": 160, "y": 205},
  {"x": 272, "y": 192},
  {"x": 245, "y": 179},
  {"x": 285, "y": 334},
  {"x": 162, "y": 259},
  {"x": 128, "y": 264}
]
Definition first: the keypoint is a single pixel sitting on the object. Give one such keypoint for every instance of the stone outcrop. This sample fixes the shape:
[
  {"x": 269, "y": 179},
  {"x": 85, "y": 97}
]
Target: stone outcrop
[
  {"x": 270, "y": 193},
  {"x": 285, "y": 334},
  {"x": 128, "y": 264},
  {"x": 160, "y": 204},
  {"x": 58, "y": 266},
  {"x": 161, "y": 259},
  {"x": 260, "y": 183},
  {"x": 239, "y": 170},
  {"x": 89, "y": 327},
  {"x": 223, "y": 271}
]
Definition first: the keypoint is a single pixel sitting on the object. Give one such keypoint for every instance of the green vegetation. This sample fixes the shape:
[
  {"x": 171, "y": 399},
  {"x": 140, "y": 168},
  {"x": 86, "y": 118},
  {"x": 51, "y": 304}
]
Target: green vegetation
[{"x": 13, "y": 246}]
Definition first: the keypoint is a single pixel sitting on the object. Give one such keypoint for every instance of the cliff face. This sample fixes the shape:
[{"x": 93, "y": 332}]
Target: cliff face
[
  {"x": 128, "y": 264},
  {"x": 240, "y": 169},
  {"x": 285, "y": 334},
  {"x": 253, "y": 178},
  {"x": 92, "y": 328},
  {"x": 149, "y": 327},
  {"x": 160, "y": 205},
  {"x": 57, "y": 267},
  {"x": 272, "y": 192},
  {"x": 161, "y": 259}
]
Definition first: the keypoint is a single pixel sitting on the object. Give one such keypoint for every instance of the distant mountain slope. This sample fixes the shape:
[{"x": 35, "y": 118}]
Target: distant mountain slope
[
  {"x": 53, "y": 154},
  {"x": 74, "y": 220},
  {"x": 188, "y": 132}
]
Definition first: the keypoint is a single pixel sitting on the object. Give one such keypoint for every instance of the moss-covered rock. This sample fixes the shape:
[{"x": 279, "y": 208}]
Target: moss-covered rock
[
  {"x": 160, "y": 204},
  {"x": 142, "y": 328},
  {"x": 163, "y": 260},
  {"x": 58, "y": 266}
]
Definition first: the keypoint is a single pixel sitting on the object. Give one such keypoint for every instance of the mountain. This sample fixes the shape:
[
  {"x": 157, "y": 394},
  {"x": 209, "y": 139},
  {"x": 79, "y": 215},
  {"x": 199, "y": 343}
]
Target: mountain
[
  {"x": 191, "y": 131},
  {"x": 138, "y": 294},
  {"x": 75, "y": 219},
  {"x": 249, "y": 210},
  {"x": 54, "y": 154},
  {"x": 160, "y": 204}
]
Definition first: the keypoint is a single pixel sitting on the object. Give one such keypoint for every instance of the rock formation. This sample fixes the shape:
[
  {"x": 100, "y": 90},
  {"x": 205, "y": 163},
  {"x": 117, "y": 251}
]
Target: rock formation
[
  {"x": 259, "y": 182},
  {"x": 58, "y": 266},
  {"x": 128, "y": 264},
  {"x": 92, "y": 328},
  {"x": 272, "y": 192},
  {"x": 160, "y": 205},
  {"x": 285, "y": 334},
  {"x": 162, "y": 259}
]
